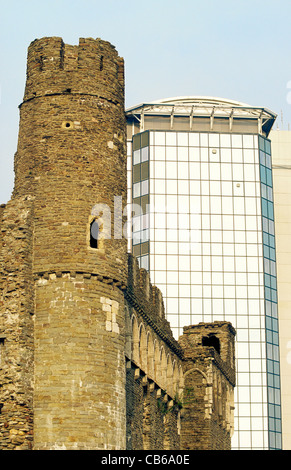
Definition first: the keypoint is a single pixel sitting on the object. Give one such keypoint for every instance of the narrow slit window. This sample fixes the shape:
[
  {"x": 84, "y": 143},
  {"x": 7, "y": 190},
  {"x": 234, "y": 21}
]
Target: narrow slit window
[
  {"x": 94, "y": 234},
  {"x": 101, "y": 63},
  {"x": 2, "y": 340}
]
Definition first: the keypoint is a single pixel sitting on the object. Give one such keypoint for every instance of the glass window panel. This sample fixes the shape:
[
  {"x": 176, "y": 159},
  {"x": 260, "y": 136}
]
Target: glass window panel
[
  {"x": 171, "y": 186},
  {"x": 194, "y": 168},
  {"x": 194, "y": 154},
  {"x": 205, "y": 187},
  {"x": 160, "y": 261},
  {"x": 225, "y": 155},
  {"x": 144, "y": 262},
  {"x": 216, "y": 222},
  {"x": 227, "y": 205},
  {"x": 262, "y": 157},
  {"x": 194, "y": 187},
  {"x": 263, "y": 174},
  {"x": 205, "y": 204},
  {"x": 268, "y": 161},
  {"x": 228, "y": 236},
  {"x": 213, "y": 140},
  {"x": 171, "y": 153},
  {"x": 250, "y": 189},
  {"x": 171, "y": 138},
  {"x": 269, "y": 177},
  {"x": 236, "y": 140},
  {"x": 160, "y": 169},
  {"x": 160, "y": 186},
  {"x": 184, "y": 263},
  {"x": 172, "y": 305},
  {"x": 182, "y": 153},
  {"x": 228, "y": 249},
  {"x": 171, "y": 170},
  {"x": 248, "y": 141},
  {"x": 241, "y": 263},
  {"x": 217, "y": 292},
  {"x": 160, "y": 153},
  {"x": 264, "y": 203},
  {"x": 204, "y": 154},
  {"x": 144, "y": 154},
  {"x": 239, "y": 205},
  {"x": 248, "y": 156},
  {"x": 249, "y": 173},
  {"x": 204, "y": 140},
  {"x": 172, "y": 262},
  {"x": 226, "y": 171},
  {"x": 251, "y": 224},
  {"x": 225, "y": 140},
  {"x": 183, "y": 221},
  {"x": 229, "y": 263},
  {"x": 242, "y": 309},
  {"x": 194, "y": 139},
  {"x": 251, "y": 206},
  {"x": 237, "y": 171},
  {"x": 160, "y": 221},
  {"x": 159, "y": 203},
  {"x": 215, "y": 204},
  {"x": 172, "y": 235},
  {"x": 239, "y": 236},
  {"x": 183, "y": 170},
  {"x": 160, "y": 138},
  {"x": 172, "y": 203},
  {"x": 267, "y": 146},
  {"x": 214, "y": 171},
  {"x": 160, "y": 234},
  {"x": 144, "y": 187},
  {"x": 217, "y": 263},
  {"x": 226, "y": 188},
  {"x": 136, "y": 190},
  {"x": 144, "y": 170},
  {"x": 136, "y": 157},
  {"x": 136, "y": 174},
  {"x": 182, "y": 138},
  {"x": 237, "y": 155},
  {"x": 204, "y": 171},
  {"x": 215, "y": 188},
  {"x": 183, "y": 204}
]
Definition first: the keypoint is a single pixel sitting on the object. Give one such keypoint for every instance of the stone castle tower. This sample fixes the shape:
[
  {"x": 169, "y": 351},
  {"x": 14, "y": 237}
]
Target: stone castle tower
[
  {"x": 70, "y": 158},
  {"x": 85, "y": 350}
]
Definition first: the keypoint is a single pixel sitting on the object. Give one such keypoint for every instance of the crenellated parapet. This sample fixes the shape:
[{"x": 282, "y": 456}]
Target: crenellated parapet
[
  {"x": 147, "y": 299},
  {"x": 54, "y": 67}
]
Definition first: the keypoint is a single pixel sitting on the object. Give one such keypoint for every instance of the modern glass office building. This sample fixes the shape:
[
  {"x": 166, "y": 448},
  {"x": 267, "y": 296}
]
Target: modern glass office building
[{"x": 200, "y": 181}]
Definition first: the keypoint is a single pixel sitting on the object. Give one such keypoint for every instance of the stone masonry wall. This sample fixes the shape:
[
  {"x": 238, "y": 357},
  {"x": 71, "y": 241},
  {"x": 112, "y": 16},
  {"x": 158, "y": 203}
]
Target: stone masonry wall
[
  {"x": 154, "y": 368},
  {"x": 209, "y": 380},
  {"x": 16, "y": 326}
]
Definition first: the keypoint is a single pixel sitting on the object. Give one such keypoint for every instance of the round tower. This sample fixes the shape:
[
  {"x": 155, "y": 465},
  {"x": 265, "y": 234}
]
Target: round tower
[{"x": 71, "y": 161}]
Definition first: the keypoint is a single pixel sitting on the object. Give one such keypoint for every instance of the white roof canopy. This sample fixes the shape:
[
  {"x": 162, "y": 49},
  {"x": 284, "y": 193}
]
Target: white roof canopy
[{"x": 204, "y": 106}]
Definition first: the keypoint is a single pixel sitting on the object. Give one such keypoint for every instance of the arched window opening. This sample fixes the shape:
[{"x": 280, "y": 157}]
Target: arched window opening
[
  {"x": 94, "y": 233},
  {"x": 213, "y": 341}
]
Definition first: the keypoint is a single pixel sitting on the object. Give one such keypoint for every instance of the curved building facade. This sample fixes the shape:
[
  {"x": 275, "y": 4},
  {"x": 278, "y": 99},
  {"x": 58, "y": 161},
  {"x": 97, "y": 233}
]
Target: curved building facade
[{"x": 200, "y": 181}]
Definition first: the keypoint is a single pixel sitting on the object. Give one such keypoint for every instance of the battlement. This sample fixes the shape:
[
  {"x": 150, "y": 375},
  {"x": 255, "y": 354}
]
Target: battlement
[
  {"x": 148, "y": 300},
  {"x": 91, "y": 67}
]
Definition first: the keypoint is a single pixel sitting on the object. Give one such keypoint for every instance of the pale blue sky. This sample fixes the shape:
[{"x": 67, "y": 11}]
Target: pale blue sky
[{"x": 235, "y": 49}]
